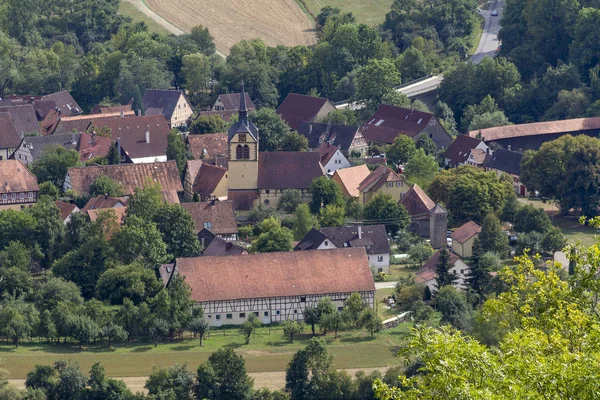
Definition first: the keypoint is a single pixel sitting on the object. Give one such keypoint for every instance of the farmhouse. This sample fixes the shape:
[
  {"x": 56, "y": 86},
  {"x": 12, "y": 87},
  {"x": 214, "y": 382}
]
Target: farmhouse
[
  {"x": 18, "y": 186},
  {"x": 427, "y": 275},
  {"x": 172, "y": 104},
  {"x": 465, "y": 150},
  {"x": 348, "y": 138},
  {"x": 215, "y": 216},
  {"x": 273, "y": 286},
  {"x": 390, "y": 121},
  {"x": 382, "y": 180},
  {"x": 298, "y": 108},
  {"x": 428, "y": 220},
  {"x": 205, "y": 180},
  {"x": 463, "y": 238},
  {"x": 372, "y": 238},
  {"x": 509, "y": 162},
  {"x": 130, "y": 176},
  {"x": 349, "y": 180},
  {"x": 531, "y": 136},
  {"x": 332, "y": 158}
]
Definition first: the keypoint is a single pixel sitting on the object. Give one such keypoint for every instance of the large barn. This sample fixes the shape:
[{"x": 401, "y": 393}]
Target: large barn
[{"x": 273, "y": 286}]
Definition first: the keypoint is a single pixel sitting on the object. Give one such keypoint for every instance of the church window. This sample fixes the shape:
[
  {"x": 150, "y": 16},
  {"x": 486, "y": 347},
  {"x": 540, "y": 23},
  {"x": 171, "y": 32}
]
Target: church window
[
  {"x": 238, "y": 152},
  {"x": 246, "y": 152}
]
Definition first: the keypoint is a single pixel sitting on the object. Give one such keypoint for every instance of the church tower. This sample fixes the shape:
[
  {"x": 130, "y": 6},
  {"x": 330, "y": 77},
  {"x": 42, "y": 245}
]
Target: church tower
[{"x": 243, "y": 151}]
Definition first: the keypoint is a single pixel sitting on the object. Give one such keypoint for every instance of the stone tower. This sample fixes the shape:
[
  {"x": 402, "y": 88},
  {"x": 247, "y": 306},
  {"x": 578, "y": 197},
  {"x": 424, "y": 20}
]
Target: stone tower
[
  {"x": 438, "y": 226},
  {"x": 243, "y": 151}
]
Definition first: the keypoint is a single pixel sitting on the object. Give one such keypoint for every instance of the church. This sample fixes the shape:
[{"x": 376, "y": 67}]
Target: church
[{"x": 259, "y": 177}]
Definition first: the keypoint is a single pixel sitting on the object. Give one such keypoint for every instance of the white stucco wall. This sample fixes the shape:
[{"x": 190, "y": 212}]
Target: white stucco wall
[
  {"x": 147, "y": 160},
  {"x": 338, "y": 161}
]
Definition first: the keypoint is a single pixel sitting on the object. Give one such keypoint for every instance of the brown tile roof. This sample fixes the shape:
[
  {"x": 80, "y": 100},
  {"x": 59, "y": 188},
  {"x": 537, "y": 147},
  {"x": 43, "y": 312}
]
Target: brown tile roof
[
  {"x": 205, "y": 177},
  {"x": 99, "y": 109},
  {"x": 66, "y": 209},
  {"x": 288, "y": 169},
  {"x": 352, "y": 177},
  {"x": 218, "y": 218},
  {"x": 478, "y": 156},
  {"x": 24, "y": 118},
  {"x": 390, "y": 121},
  {"x": 417, "y": 202},
  {"x": 9, "y": 137},
  {"x": 42, "y": 108},
  {"x": 132, "y": 131},
  {"x": 466, "y": 232},
  {"x": 97, "y": 147},
  {"x": 64, "y": 102},
  {"x": 243, "y": 200},
  {"x": 220, "y": 247},
  {"x": 538, "y": 128},
  {"x": 119, "y": 212},
  {"x": 297, "y": 108},
  {"x": 129, "y": 176},
  {"x": 433, "y": 261},
  {"x": 103, "y": 201},
  {"x": 378, "y": 178},
  {"x": 326, "y": 151},
  {"x": 209, "y": 145},
  {"x": 15, "y": 177},
  {"x": 277, "y": 274},
  {"x": 231, "y": 102},
  {"x": 459, "y": 149}
]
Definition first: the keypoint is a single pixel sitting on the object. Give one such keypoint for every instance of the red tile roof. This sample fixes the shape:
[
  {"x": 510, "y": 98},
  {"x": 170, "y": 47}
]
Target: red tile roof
[
  {"x": 65, "y": 209},
  {"x": 352, "y": 177},
  {"x": 277, "y": 274},
  {"x": 16, "y": 178},
  {"x": 220, "y": 216},
  {"x": 9, "y": 137},
  {"x": 378, "y": 178},
  {"x": 466, "y": 232},
  {"x": 207, "y": 146},
  {"x": 297, "y": 108},
  {"x": 205, "y": 177},
  {"x": 103, "y": 201},
  {"x": 433, "y": 261},
  {"x": 417, "y": 202},
  {"x": 97, "y": 147},
  {"x": 459, "y": 150},
  {"x": 538, "y": 128},
  {"x": 119, "y": 212},
  {"x": 390, "y": 121},
  {"x": 326, "y": 151},
  {"x": 288, "y": 169},
  {"x": 129, "y": 176}
]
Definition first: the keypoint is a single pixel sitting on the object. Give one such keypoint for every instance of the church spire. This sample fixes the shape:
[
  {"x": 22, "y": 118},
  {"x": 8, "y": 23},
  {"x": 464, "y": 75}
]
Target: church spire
[{"x": 243, "y": 113}]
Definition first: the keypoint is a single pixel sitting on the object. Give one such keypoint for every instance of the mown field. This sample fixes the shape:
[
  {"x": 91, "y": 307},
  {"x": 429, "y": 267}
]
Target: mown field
[
  {"x": 268, "y": 351},
  {"x": 129, "y": 10},
  {"x": 370, "y": 12},
  {"x": 277, "y": 22}
]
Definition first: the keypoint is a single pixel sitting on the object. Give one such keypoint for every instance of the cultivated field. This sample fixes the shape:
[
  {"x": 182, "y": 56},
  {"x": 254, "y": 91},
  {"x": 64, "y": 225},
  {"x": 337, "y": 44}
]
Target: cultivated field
[
  {"x": 370, "y": 12},
  {"x": 275, "y": 21}
]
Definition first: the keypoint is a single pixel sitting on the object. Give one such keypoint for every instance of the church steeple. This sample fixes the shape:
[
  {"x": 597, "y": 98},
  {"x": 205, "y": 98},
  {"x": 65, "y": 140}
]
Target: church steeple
[
  {"x": 243, "y": 113},
  {"x": 243, "y": 125}
]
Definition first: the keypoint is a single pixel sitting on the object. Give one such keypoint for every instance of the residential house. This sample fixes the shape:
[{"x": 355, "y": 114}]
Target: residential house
[
  {"x": 130, "y": 176},
  {"x": 210, "y": 148},
  {"x": 298, "y": 108},
  {"x": 216, "y": 216},
  {"x": 100, "y": 109},
  {"x": 332, "y": 158},
  {"x": 531, "y": 136},
  {"x": 42, "y": 105},
  {"x": 24, "y": 118},
  {"x": 88, "y": 146},
  {"x": 118, "y": 213},
  {"x": 373, "y": 238},
  {"x": 507, "y": 162},
  {"x": 18, "y": 186},
  {"x": 463, "y": 238},
  {"x": 56, "y": 123},
  {"x": 428, "y": 220},
  {"x": 231, "y": 102},
  {"x": 213, "y": 245},
  {"x": 348, "y": 138},
  {"x": 349, "y": 179},
  {"x": 103, "y": 201},
  {"x": 273, "y": 286},
  {"x": 91, "y": 146},
  {"x": 205, "y": 180},
  {"x": 142, "y": 139},
  {"x": 390, "y": 121},
  {"x": 172, "y": 104},
  {"x": 465, "y": 150},
  {"x": 382, "y": 180},
  {"x": 9, "y": 137},
  {"x": 427, "y": 274},
  {"x": 66, "y": 210}
]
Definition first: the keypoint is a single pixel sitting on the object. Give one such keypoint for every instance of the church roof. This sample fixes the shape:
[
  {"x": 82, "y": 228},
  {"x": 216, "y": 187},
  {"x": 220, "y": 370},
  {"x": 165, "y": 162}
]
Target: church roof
[{"x": 244, "y": 125}]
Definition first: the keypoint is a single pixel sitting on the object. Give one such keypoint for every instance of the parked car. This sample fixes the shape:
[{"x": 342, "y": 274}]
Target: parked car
[{"x": 494, "y": 13}]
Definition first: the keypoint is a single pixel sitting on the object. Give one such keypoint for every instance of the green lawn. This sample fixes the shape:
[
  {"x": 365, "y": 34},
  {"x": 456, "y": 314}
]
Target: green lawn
[
  {"x": 129, "y": 10},
  {"x": 370, "y": 12},
  {"x": 268, "y": 352},
  {"x": 398, "y": 271}
]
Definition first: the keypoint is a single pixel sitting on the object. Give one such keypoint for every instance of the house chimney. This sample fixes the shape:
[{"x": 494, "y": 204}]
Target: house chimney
[
  {"x": 212, "y": 201},
  {"x": 139, "y": 112},
  {"x": 122, "y": 114},
  {"x": 360, "y": 232},
  {"x": 93, "y": 138},
  {"x": 74, "y": 141},
  {"x": 147, "y": 136},
  {"x": 508, "y": 147},
  {"x": 119, "y": 150}
]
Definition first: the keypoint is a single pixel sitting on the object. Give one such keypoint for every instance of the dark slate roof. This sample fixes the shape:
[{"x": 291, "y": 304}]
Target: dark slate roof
[
  {"x": 372, "y": 237},
  {"x": 460, "y": 148},
  {"x": 161, "y": 102},
  {"x": 297, "y": 108},
  {"x": 9, "y": 137},
  {"x": 24, "y": 118},
  {"x": 505, "y": 161},
  {"x": 231, "y": 102},
  {"x": 37, "y": 144},
  {"x": 337, "y": 134},
  {"x": 221, "y": 247},
  {"x": 64, "y": 102},
  {"x": 288, "y": 169},
  {"x": 311, "y": 241},
  {"x": 390, "y": 121}
]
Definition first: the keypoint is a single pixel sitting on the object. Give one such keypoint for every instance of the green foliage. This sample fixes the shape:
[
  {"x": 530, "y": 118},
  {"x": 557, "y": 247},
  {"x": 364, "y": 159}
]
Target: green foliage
[
  {"x": 530, "y": 242},
  {"x": 273, "y": 237},
  {"x": 103, "y": 185},
  {"x": 376, "y": 79},
  {"x": 402, "y": 150},
  {"x": 324, "y": 192},
  {"x": 146, "y": 201},
  {"x": 113, "y": 156},
  {"x": 420, "y": 252},
  {"x": 333, "y": 322},
  {"x": 139, "y": 240},
  {"x": 553, "y": 240},
  {"x": 273, "y": 130},
  {"x": 444, "y": 276},
  {"x": 509, "y": 211},
  {"x": 200, "y": 327},
  {"x": 481, "y": 265},
  {"x": 383, "y": 209},
  {"x": 223, "y": 377},
  {"x": 421, "y": 169},
  {"x": 332, "y": 216},
  {"x": 453, "y": 306},
  {"x": 289, "y": 200},
  {"x": 176, "y": 382},
  {"x": 53, "y": 164},
  {"x": 133, "y": 282},
  {"x": 492, "y": 238},
  {"x": 208, "y": 124},
  {"x": 48, "y": 189},
  {"x": 292, "y": 328},
  {"x": 427, "y": 144},
  {"x": 176, "y": 150},
  {"x": 304, "y": 221},
  {"x": 311, "y": 317},
  {"x": 177, "y": 229},
  {"x": 249, "y": 327},
  {"x": 293, "y": 141},
  {"x": 530, "y": 218}
]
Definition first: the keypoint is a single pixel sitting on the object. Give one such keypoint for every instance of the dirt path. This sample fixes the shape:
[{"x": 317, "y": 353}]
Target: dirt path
[
  {"x": 269, "y": 380},
  {"x": 143, "y": 8}
]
